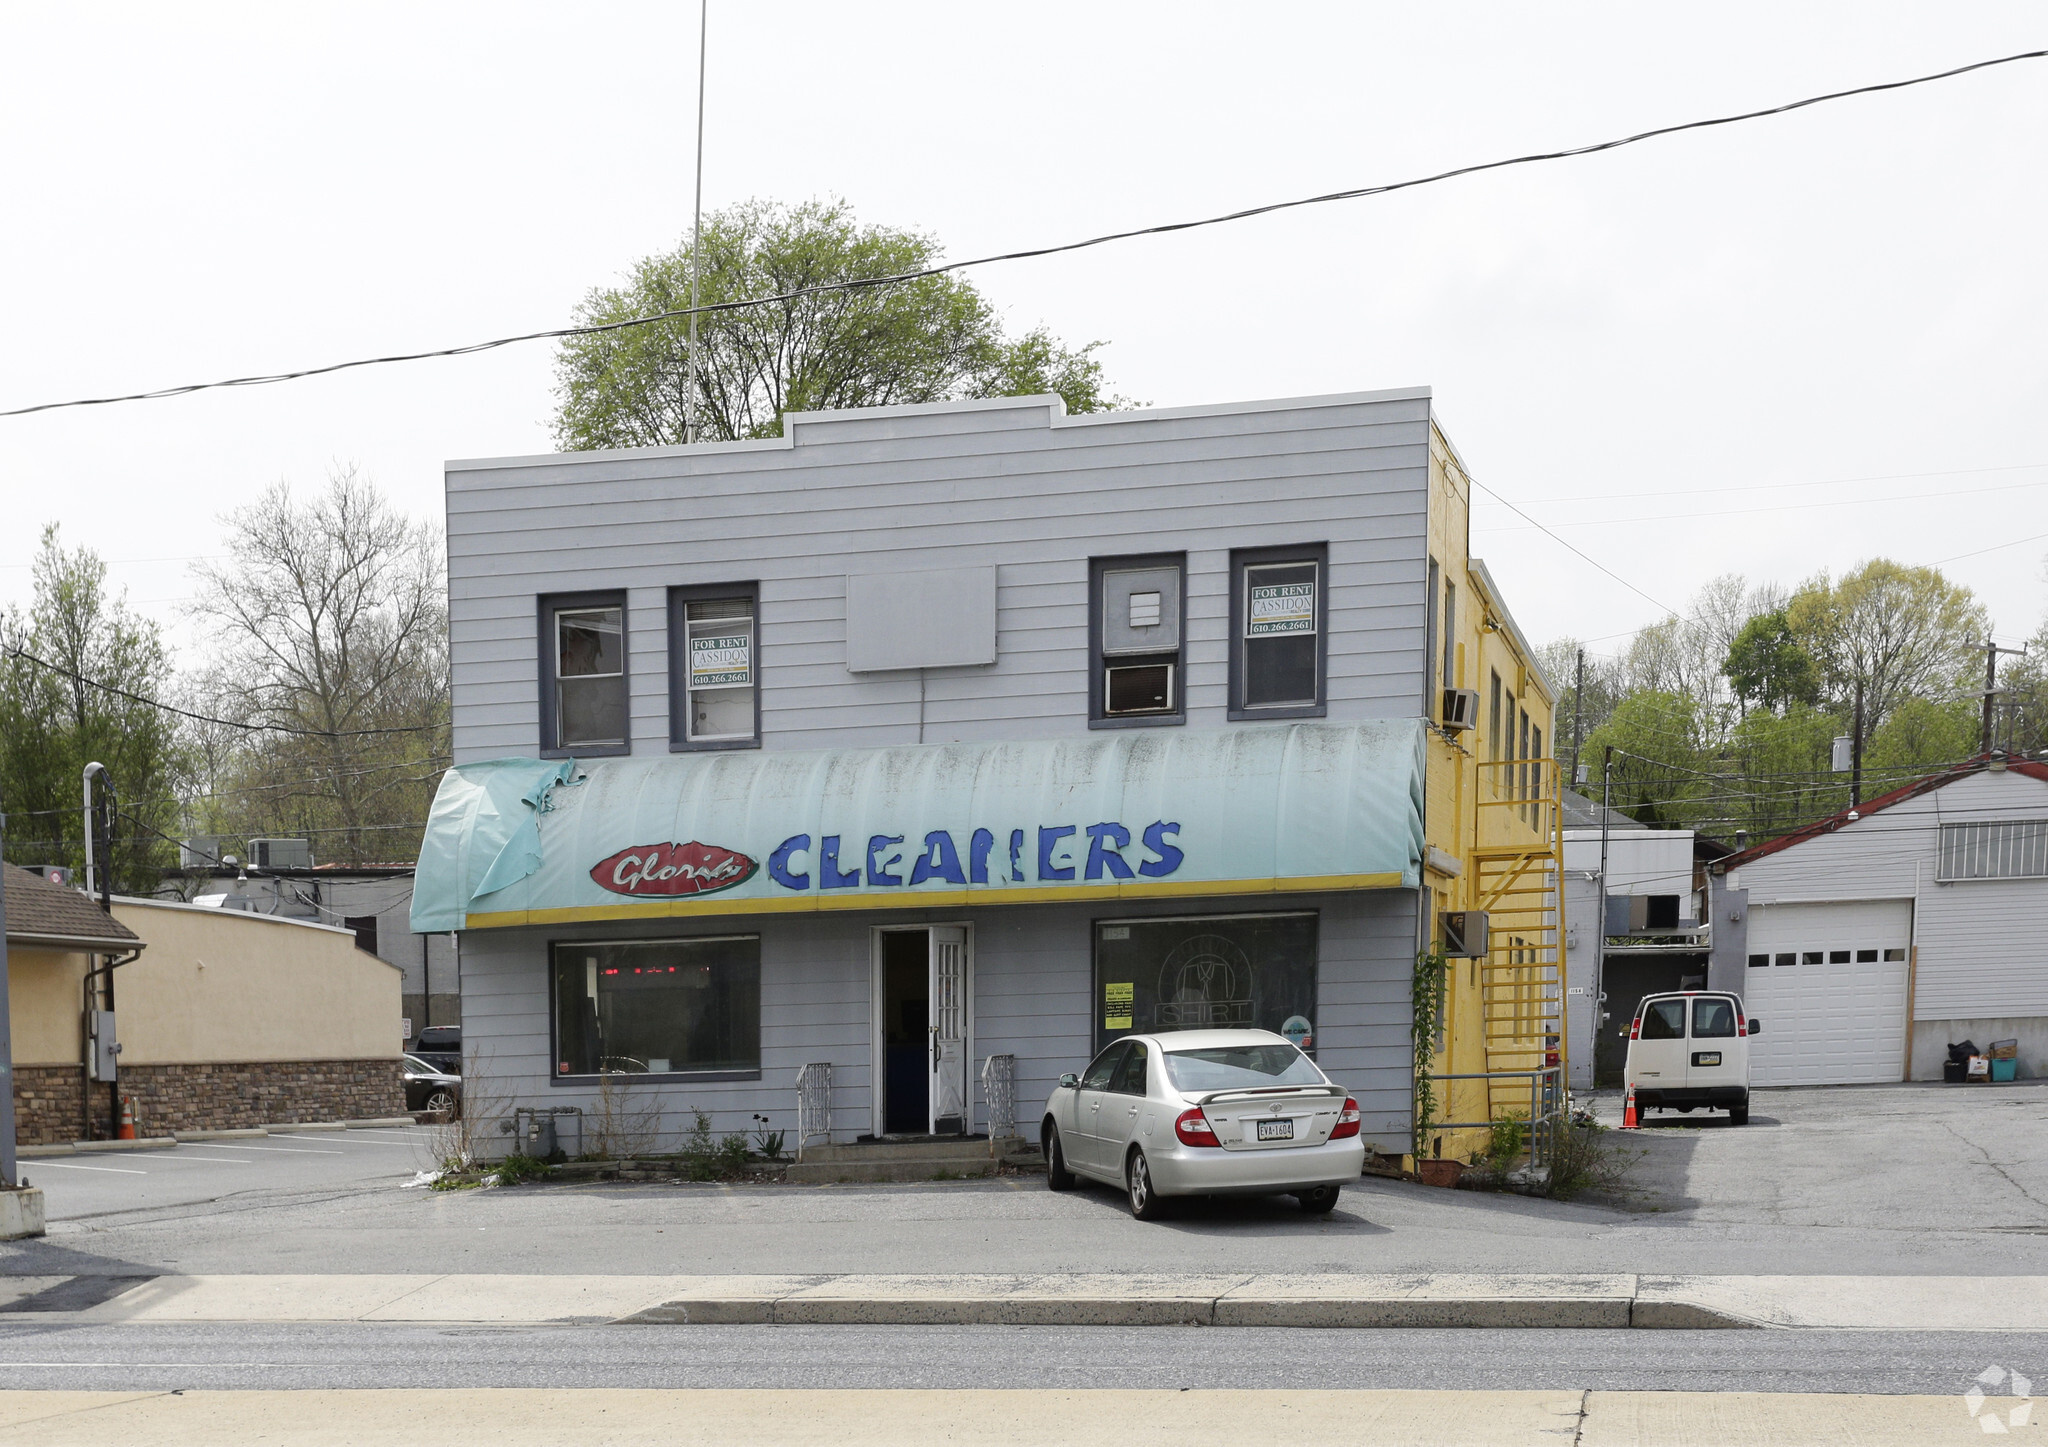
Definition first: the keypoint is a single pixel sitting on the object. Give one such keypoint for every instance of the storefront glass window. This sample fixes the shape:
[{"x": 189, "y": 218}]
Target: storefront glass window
[
  {"x": 1233, "y": 972},
  {"x": 658, "y": 1006}
]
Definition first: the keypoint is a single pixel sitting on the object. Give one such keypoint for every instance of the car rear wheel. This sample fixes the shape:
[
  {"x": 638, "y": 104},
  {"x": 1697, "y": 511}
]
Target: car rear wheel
[
  {"x": 1739, "y": 1114},
  {"x": 1057, "y": 1176},
  {"x": 1320, "y": 1201},
  {"x": 1146, "y": 1203},
  {"x": 441, "y": 1102}
]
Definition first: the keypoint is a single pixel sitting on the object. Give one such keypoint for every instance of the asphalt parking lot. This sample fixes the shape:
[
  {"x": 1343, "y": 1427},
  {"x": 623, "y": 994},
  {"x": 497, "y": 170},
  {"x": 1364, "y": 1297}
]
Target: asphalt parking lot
[
  {"x": 1882, "y": 1179},
  {"x": 92, "y": 1184}
]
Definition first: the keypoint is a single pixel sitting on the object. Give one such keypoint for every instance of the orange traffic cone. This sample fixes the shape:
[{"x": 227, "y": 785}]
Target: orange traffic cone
[
  {"x": 127, "y": 1131},
  {"x": 1629, "y": 1119}
]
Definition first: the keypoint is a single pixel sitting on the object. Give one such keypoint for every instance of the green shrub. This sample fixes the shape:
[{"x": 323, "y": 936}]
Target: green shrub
[
  {"x": 517, "y": 1168},
  {"x": 1586, "y": 1158}
]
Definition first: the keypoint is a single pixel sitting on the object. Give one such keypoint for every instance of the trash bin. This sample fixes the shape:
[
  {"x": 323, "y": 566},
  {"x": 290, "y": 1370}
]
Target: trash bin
[
  {"x": 2005, "y": 1069},
  {"x": 1955, "y": 1072}
]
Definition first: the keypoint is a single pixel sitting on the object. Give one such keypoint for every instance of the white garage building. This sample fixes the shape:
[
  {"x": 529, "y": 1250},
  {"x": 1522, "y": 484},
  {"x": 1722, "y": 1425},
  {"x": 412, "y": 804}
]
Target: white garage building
[{"x": 1870, "y": 942}]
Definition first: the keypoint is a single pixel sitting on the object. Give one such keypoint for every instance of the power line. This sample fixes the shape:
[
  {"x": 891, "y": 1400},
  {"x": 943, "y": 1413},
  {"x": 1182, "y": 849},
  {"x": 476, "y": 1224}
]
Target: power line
[
  {"x": 57, "y": 668},
  {"x": 1563, "y": 544},
  {"x": 1672, "y": 517},
  {"x": 943, "y": 268}
]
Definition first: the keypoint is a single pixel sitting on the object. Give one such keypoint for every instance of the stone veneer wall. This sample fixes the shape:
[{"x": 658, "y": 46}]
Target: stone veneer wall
[
  {"x": 47, "y": 1108},
  {"x": 213, "y": 1097}
]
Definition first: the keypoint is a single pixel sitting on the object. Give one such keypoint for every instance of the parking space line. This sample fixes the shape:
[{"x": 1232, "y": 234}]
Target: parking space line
[
  {"x": 281, "y": 1150},
  {"x": 403, "y": 1145},
  {"x": 224, "y": 1160},
  {"x": 67, "y": 1166}
]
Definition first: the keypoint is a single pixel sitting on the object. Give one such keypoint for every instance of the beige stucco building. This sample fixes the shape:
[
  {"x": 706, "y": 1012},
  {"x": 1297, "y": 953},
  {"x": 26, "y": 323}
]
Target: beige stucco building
[{"x": 224, "y": 1018}]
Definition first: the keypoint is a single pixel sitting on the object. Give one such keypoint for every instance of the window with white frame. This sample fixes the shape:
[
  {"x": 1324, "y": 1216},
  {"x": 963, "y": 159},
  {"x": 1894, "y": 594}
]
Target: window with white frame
[
  {"x": 2003, "y": 849},
  {"x": 583, "y": 674},
  {"x": 715, "y": 670}
]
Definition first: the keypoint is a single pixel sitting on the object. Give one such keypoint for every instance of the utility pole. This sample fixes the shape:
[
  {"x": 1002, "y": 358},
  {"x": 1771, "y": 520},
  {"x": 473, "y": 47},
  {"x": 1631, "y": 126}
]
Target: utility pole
[
  {"x": 696, "y": 234},
  {"x": 1856, "y": 750},
  {"x": 1578, "y": 715},
  {"x": 1991, "y": 652},
  {"x": 1600, "y": 907},
  {"x": 8, "y": 1164}
]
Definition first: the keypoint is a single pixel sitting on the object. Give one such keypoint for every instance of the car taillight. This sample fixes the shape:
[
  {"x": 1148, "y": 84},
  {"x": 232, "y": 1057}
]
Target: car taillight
[
  {"x": 1347, "y": 1122},
  {"x": 1635, "y": 1028},
  {"x": 1193, "y": 1129}
]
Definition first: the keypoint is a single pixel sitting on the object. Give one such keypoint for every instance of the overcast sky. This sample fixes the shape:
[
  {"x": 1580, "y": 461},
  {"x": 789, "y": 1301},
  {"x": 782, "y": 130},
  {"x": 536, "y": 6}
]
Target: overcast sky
[{"x": 1773, "y": 348}]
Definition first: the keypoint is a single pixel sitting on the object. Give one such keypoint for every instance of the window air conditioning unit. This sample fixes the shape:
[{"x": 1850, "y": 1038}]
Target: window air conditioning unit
[
  {"x": 281, "y": 853},
  {"x": 1464, "y": 933},
  {"x": 1461, "y": 708},
  {"x": 1137, "y": 688}
]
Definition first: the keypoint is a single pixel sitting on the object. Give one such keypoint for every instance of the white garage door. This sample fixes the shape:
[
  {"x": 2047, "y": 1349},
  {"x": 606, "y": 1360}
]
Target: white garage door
[{"x": 1828, "y": 981}]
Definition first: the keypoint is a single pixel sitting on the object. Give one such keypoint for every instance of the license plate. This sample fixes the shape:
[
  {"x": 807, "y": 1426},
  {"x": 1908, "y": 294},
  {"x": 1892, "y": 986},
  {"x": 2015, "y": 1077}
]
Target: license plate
[
  {"x": 1276, "y": 1130},
  {"x": 1706, "y": 1057}
]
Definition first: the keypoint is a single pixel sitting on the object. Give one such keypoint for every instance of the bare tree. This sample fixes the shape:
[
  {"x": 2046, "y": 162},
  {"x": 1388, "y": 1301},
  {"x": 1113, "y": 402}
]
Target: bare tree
[{"x": 333, "y": 628}]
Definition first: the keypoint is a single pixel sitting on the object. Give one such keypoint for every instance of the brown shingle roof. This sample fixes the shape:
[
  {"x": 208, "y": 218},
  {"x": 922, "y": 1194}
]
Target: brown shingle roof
[{"x": 42, "y": 913}]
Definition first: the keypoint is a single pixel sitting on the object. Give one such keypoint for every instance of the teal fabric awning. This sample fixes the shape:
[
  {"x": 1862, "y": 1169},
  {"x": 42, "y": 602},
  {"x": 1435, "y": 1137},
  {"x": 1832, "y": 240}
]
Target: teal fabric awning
[{"x": 1141, "y": 813}]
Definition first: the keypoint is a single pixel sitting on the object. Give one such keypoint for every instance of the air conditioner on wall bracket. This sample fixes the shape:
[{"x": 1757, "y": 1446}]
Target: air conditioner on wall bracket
[
  {"x": 1464, "y": 933},
  {"x": 1461, "y": 708}
]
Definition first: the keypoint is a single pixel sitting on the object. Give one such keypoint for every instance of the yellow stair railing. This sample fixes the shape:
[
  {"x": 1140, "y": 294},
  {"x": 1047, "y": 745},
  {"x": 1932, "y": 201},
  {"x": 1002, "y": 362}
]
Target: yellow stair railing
[{"x": 1518, "y": 880}]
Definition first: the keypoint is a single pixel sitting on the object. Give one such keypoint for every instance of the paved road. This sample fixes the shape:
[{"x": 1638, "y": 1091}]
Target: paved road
[
  {"x": 168, "y": 1358},
  {"x": 1874, "y": 1180}
]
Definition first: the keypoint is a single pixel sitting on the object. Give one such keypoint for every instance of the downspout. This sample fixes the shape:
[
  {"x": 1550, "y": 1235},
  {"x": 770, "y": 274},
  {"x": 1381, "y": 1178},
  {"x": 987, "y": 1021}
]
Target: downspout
[{"x": 92, "y": 992}]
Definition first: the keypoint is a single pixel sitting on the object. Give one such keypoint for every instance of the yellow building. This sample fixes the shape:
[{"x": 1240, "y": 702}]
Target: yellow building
[{"x": 1495, "y": 838}]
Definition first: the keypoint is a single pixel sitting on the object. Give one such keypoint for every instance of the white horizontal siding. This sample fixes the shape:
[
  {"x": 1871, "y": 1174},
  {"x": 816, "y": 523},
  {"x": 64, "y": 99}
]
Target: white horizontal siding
[
  {"x": 970, "y": 486},
  {"x": 1033, "y": 989},
  {"x": 1982, "y": 945}
]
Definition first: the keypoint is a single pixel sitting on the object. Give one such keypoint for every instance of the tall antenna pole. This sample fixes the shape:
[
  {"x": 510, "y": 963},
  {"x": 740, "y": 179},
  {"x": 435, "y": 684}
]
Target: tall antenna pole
[
  {"x": 1578, "y": 716},
  {"x": 696, "y": 234}
]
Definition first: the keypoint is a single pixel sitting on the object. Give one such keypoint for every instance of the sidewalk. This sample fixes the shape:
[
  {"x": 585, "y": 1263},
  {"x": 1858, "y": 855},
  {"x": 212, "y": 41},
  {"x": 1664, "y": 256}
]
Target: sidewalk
[
  {"x": 510, "y": 1417},
  {"x": 1896, "y": 1303}
]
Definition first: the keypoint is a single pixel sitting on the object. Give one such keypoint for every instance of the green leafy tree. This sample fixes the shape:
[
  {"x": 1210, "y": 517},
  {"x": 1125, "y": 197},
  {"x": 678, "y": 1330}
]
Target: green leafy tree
[
  {"x": 1896, "y": 631},
  {"x": 930, "y": 340},
  {"x": 1781, "y": 770},
  {"x": 1921, "y": 736},
  {"x": 1767, "y": 667},
  {"x": 54, "y": 719},
  {"x": 1663, "y": 771}
]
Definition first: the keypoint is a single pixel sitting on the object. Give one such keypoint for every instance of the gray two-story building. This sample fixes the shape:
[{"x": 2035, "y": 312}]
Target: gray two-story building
[{"x": 924, "y": 735}]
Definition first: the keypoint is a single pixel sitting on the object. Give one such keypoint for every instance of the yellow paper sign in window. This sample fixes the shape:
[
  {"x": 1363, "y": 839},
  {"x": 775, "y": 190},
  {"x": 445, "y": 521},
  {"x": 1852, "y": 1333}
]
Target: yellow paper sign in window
[{"x": 1116, "y": 1006}]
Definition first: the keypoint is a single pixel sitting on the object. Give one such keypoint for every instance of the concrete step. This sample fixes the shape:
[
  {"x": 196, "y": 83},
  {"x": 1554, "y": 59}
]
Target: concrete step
[
  {"x": 895, "y": 1168},
  {"x": 923, "y": 1148}
]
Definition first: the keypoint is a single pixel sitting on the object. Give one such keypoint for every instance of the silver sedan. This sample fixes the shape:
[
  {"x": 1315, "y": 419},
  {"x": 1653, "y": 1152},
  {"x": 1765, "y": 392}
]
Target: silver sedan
[{"x": 1203, "y": 1113}]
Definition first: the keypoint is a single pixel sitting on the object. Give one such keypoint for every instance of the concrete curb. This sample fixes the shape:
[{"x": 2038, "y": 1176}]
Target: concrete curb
[
  {"x": 147, "y": 1143},
  {"x": 162, "y": 1142},
  {"x": 1607, "y": 1303}
]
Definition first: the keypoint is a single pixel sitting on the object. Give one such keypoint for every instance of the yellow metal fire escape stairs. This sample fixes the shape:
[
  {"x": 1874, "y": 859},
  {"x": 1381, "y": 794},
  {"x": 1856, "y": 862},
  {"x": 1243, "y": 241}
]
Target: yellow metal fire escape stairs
[{"x": 1518, "y": 869}]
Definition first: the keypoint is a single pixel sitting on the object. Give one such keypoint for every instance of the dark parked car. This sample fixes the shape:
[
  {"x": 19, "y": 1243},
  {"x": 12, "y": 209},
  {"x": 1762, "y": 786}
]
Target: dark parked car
[
  {"x": 441, "y": 1047},
  {"x": 430, "y": 1088}
]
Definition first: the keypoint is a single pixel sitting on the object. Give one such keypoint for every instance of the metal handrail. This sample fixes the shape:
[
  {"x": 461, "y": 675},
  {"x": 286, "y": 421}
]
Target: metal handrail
[
  {"x": 1546, "y": 1089},
  {"x": 813, "y": 1104},
  {"x": 999, "y": 1091}
]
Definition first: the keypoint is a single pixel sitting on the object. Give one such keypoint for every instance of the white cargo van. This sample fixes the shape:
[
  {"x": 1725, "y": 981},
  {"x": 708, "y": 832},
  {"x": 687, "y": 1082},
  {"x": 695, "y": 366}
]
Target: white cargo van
[{"x": 1690, "y": 1049}]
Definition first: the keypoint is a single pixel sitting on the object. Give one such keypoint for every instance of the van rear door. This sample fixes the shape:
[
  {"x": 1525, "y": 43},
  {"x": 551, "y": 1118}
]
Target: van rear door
[
  {"x": 1656, "y": 1057},
  {"x": 1715, "y": 1054}
]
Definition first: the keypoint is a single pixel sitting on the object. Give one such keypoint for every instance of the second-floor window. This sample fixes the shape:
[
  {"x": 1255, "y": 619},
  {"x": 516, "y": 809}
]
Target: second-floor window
[
  {"x": 715, "y": 667},
  {"x": 583, "y": 674},
  {"x": 1279, "y": 635}
]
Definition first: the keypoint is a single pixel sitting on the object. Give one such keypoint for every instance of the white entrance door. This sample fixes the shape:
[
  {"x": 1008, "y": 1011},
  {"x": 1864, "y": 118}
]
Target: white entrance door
[
  {"x": 1828, "y": 982},
  {"x": 949, "y": 1017}
]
